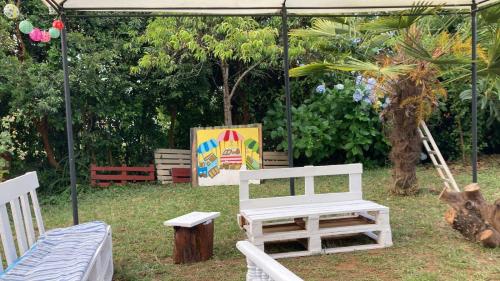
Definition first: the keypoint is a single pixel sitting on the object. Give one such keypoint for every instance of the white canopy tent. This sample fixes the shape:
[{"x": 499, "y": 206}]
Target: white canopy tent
[
  {"x": 282, "y": 8},
  {"x": 255, "y": 7}
]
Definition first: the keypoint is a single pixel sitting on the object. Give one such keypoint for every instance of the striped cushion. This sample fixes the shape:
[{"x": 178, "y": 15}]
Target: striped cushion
[{"x": 62, "y": 254}]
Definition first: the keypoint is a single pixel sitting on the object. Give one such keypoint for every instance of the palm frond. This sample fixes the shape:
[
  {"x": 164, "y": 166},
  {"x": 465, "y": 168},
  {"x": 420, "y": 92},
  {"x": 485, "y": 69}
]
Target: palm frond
[
  {"x": 403, "y": 20},
  {"x": 417, "y": 51},
  {"x": 493, "y": 63},
  {"x": 351, "y": 65},
  {"x": 322, "y": 28},
  {"x": 491, "y": 15}
]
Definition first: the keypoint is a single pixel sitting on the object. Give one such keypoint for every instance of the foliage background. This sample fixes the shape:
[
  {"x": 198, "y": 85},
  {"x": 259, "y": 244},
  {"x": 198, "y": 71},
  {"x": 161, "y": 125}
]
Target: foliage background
[{"x": 121, "y": 114}]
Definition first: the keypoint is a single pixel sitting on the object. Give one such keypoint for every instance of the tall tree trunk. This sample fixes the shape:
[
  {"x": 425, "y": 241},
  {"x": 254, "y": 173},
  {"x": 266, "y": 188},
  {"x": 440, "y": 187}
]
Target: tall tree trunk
[
  {"x": 228, "y": 120},
  {"x": 42, "y": 127},
  {"x": 171, "y": 131},
  {"x": 246, "y": 108},
  {"x": 405, "y": 141},
  {"x": 21, "y": 54}
]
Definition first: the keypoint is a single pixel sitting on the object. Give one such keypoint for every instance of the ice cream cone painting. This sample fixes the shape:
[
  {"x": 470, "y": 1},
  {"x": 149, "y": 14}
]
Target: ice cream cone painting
[{"x": 220, "y": 153}]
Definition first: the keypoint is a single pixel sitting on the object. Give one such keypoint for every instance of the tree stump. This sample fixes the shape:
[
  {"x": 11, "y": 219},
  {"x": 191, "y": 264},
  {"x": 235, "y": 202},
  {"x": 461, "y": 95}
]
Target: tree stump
[
  {"x": 194, "y": 244},
  {"x": 472, "y": 216}
]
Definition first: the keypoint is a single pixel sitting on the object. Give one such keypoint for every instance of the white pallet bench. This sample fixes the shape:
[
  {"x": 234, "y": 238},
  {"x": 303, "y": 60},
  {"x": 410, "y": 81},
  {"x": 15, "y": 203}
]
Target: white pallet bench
[
  {"x": 261, "y": 267},
  {"x": 313, "y": 219},
  {"x": 27, "y": 236}
]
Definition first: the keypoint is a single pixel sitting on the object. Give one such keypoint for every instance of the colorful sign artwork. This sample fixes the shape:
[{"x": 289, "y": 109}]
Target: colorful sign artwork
[{"x": 220, "y": 153}]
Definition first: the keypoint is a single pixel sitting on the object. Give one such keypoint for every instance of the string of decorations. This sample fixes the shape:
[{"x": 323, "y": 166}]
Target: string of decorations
[{"x": 36, "y": 34}]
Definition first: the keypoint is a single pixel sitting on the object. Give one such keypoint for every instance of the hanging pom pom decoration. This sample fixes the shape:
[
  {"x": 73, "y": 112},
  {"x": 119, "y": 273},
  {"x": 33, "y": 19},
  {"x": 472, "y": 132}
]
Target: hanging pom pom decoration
[
  {"x": 54, "y": 32},
  {"x": 58, "y": 24},
  {"x": 25, "y": 26},
  {"x": 11, "y": 11},
  {"x": 45, "y": 37},
  {"x": 36, "y": 35}
]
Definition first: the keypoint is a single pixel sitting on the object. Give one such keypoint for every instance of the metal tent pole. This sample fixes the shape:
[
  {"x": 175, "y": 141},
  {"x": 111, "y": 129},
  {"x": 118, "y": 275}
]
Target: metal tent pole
[
  {"x": 474, "y": 89},
  {"x": 286, "y": 67},
  {"x": 69, "y": 121}
]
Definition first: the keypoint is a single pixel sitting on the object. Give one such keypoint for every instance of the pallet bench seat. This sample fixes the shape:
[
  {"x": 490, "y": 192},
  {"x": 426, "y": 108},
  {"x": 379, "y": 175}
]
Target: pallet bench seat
[
  {"x": 82, "y": 252},
  {"x": 313, "y": 219}
]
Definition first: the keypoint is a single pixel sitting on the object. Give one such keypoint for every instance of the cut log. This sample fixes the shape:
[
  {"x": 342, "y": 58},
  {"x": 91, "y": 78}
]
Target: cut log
[{"x": 472, "y": 216}]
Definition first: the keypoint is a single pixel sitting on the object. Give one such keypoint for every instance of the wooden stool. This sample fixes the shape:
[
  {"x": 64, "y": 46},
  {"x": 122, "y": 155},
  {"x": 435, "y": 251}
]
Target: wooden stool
[{"x": 194, "y": 236}]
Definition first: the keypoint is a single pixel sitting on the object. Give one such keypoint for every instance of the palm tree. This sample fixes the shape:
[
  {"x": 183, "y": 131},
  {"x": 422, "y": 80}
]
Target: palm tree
[{"x": 408, "y": 74}]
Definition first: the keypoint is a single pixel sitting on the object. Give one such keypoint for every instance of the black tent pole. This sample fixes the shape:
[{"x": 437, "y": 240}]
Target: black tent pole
[
  {"x": 69, "y": 121},
  {"x": 474, "y": 89},
  {"x": 286, "y": 67}
]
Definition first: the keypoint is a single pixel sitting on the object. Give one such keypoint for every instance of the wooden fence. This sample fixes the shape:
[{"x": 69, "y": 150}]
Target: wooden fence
[{"x": 105, "y": 176}]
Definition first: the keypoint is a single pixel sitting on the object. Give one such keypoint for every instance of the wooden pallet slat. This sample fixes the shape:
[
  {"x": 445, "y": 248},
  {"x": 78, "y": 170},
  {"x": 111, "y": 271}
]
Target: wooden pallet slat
[
  {"x": 120, "y": 175},
  {"x": 168, "y": 159}
]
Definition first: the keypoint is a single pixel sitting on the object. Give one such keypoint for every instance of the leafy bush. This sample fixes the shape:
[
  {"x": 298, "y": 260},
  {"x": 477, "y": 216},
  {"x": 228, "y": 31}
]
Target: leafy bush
[{"x": 333, "y": 125}]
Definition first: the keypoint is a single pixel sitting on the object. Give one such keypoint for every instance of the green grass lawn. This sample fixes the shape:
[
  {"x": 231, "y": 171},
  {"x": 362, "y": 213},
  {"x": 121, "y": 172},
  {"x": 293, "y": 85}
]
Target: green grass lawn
[{"x": 425, "y": 247}]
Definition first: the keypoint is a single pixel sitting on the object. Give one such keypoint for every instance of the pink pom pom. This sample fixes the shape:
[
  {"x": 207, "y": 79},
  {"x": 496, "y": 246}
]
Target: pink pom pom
[
  {"x": 45, "y": 37},
  {"x": 36, "y": 35}
]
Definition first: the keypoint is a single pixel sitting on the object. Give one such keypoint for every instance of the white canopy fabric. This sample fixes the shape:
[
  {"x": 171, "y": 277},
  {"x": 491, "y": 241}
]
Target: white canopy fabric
[{"x": 255, "y": 7}]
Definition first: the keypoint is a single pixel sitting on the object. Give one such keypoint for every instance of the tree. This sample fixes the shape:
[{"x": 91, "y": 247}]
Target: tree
[
  {"x": 406, "y": 75},
  {"x": 238, "y": 45}
]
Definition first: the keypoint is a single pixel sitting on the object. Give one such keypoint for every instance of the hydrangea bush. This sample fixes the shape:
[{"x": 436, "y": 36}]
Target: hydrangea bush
[{"x": 337, "y": 124}]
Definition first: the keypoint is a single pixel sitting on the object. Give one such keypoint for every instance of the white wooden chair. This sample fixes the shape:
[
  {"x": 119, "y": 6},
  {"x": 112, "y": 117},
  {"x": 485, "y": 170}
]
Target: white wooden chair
[
  {"x": 312, "y": 218},
  {"x": 262, "y": 267},
  {"x": 16, "y": 193}
]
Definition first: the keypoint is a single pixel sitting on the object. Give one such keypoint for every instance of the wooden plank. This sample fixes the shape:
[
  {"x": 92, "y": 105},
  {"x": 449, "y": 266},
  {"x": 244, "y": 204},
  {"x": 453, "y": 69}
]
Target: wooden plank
[
  {"x": 13, "y": 188},
  {"x": 181, "y": 175},
  {"x": 9, "y": 247},
  {"x": 268, "y": 157},
  {"x": 298, "y": 200},
  {"x": 150, "y": 168},
  {"x": 38, "y": 213},
  {"x": 173, "y": 151},
  {"x": 173, "y": 161},
  {"x": 301, "y": 172},
  {"x": 17, "y": 217},
  {"x": 355, "y": 183},
  {"x": 170, "y": 166},
  {"x": 192, "y": 219},
  {"x": 275, "y": 153},
  {"x": 173, "y": 156},
  {"x": 299, "y": 211},
  {"x": 28, "y": 219},
  {"x": 123, "y": 177}
]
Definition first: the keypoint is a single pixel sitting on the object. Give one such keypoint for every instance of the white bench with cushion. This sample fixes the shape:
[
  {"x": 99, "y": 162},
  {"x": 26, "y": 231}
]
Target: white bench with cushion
[
  {"x": 82, "y": 252},
  {"x": 313, "y": 217}
]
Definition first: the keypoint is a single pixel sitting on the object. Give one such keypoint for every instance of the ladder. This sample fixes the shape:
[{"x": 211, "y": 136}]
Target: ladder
[{"x": 437, "y": 158}]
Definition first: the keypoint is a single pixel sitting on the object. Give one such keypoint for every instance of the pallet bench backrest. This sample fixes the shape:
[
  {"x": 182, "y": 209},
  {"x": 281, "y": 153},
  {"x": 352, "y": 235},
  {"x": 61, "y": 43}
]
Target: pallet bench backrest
[
  {"x": 308, "y": 173},
  {"x": 16, "y": 193}
]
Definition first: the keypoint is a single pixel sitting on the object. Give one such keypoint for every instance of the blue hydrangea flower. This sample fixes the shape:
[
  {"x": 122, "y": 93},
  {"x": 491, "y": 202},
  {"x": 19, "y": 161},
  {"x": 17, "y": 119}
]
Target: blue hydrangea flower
[
  {"x": 367, "y": 100},
  {"x": 359, "y": 78},
  {"x": 372, "y": 81},
  {"x": 339, "y": 87},
  {"x": 423, "y": 156},
  {"x": 320, "y": 89},
  {"x": 358, "y": 95}
]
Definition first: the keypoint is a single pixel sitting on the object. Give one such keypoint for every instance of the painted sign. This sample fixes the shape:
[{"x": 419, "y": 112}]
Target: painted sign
[{"x": 219, "y": 153}]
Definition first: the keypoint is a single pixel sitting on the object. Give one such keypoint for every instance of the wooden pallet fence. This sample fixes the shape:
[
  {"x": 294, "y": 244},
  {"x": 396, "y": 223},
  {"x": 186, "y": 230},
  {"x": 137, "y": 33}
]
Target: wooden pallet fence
[
  {"x": 105, "y": 176},
  {"x": 275, "y": 159},
  {"x": 166, "y": 159}
]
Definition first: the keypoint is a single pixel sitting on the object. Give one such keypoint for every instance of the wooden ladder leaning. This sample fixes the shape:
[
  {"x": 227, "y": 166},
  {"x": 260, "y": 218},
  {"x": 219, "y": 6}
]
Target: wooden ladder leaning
[{"x": 437, "y": 158}]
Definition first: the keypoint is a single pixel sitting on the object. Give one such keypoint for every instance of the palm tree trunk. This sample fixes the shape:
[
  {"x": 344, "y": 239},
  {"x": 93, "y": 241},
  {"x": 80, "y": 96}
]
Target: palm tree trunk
[{"x": 405, "y": 141}]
